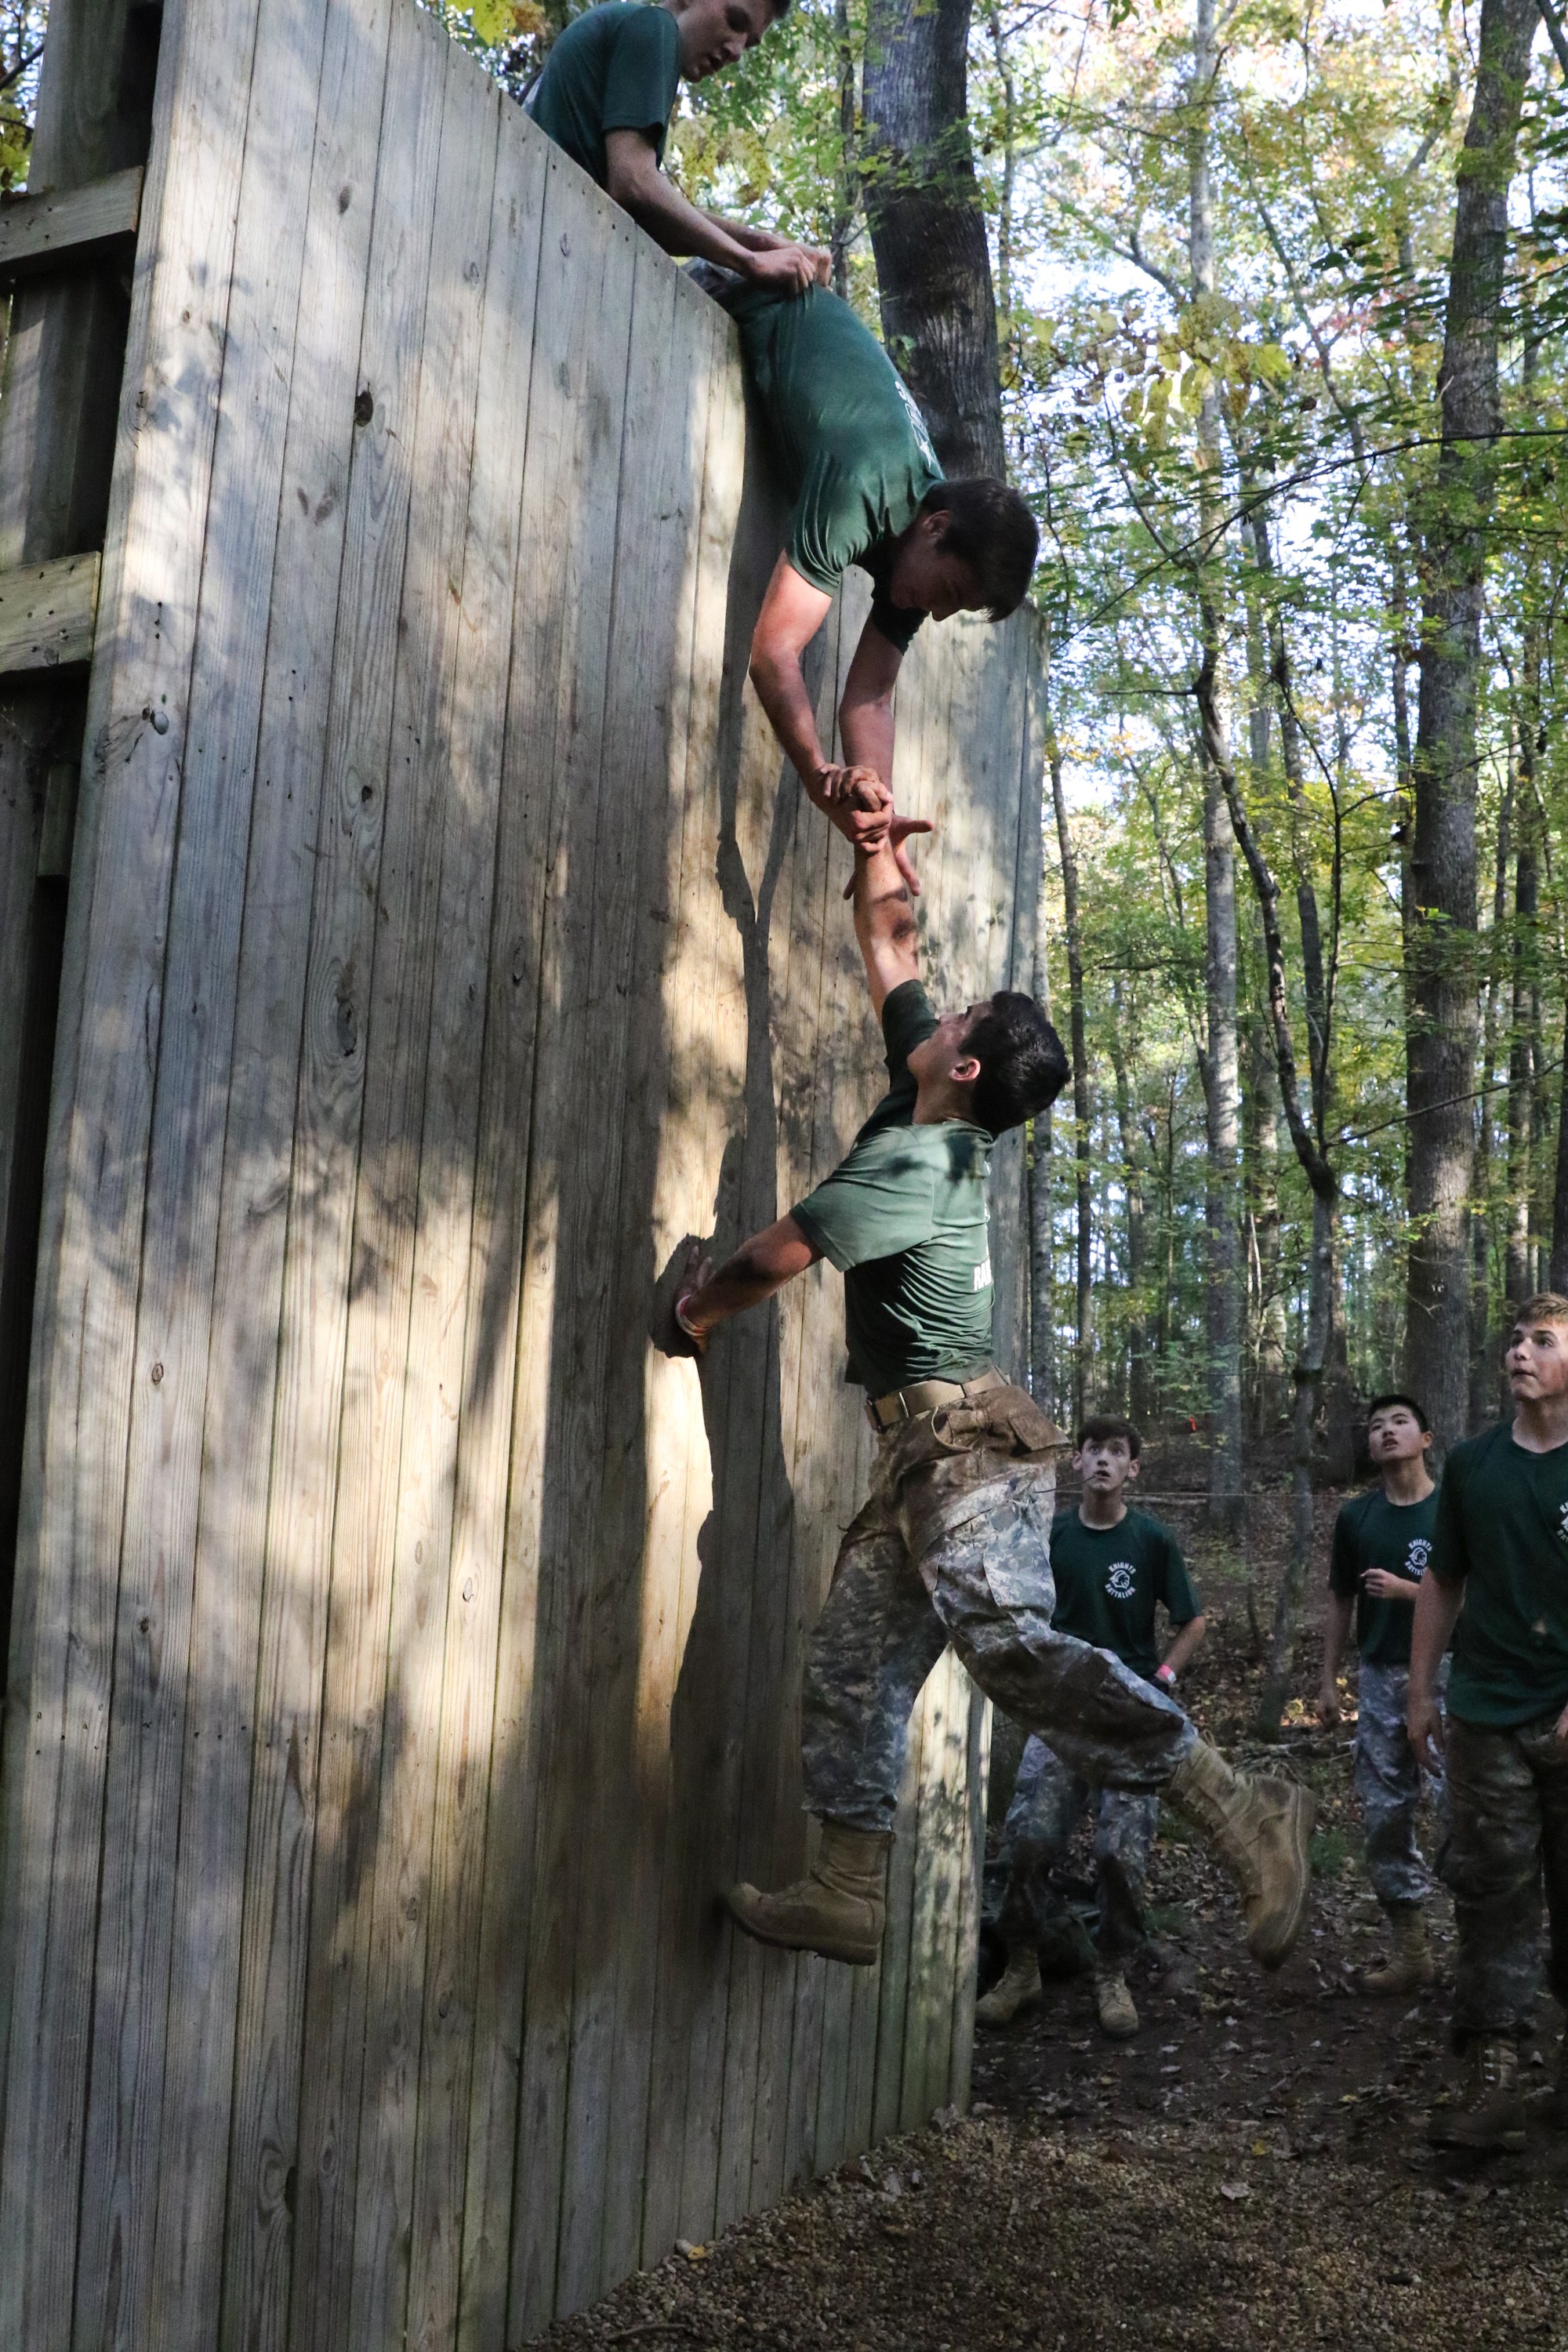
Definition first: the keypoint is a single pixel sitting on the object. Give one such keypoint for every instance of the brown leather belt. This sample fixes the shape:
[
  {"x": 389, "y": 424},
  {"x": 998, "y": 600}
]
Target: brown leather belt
[{"x": 909, "y": 1404}]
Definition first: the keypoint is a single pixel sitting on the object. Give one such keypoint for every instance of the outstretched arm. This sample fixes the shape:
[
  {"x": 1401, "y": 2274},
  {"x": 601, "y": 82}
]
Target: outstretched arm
[
  {"x": 885, "y": 926},
  {"x": 758, "y": 1268},
  {"x": 635, "y": 181}
]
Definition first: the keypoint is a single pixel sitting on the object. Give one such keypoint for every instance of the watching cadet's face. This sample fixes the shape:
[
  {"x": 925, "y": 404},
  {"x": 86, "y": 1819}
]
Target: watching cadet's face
[
  {"x": 926, "y": 578},
  {"x": 1537, "y": 1360},
  {"x": 1394, "y": 1435},
  {"x": 714, "y": 33},
  {"x": 1105, "y": 1464}
]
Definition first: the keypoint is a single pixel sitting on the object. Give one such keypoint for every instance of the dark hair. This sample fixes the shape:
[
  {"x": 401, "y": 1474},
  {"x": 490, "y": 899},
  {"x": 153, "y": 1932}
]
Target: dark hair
[
  {"x": 1398, "y": 1396},
  {"x": 990, "y": 528},
  {"x": 1101, "y": 1427},
  {"x": 1022, "y": 1065},
  {"x": 1546, "y": 1306}
]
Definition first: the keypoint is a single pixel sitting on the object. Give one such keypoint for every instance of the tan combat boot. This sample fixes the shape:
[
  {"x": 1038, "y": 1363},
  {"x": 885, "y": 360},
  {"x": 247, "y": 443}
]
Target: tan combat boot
[
  {"x": 1555, "y": 2104},
  {"x": 1018, "y": 1987},
  {"x": 1409, "y": 1963},
  {"x": 1259, "y": 1828},
  {"x": 1114, "y": 2005},
  {"x": 1490, "y": 2112},
  {"x": 838, "y": 1910}
]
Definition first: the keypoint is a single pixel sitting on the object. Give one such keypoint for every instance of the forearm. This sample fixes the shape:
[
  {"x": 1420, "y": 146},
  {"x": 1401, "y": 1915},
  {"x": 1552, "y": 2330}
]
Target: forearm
[
  {"x": 782, "y": 691},
  {"x": 681, "y": 227},
  {"x": 1437, "y": 1608},
  {"x": 755, "y": 240},
  {"x": 1185, "y": 1642},
  {"x": 758, "y": 1268},
  {"x": 1336, "y": 1634},
  {"x": 866, "y": 728},
  {"x": 884, "y": 922}
]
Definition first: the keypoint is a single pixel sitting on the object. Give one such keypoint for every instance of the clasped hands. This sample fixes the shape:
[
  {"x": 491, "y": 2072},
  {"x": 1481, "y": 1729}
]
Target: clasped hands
[{"x": 861, "y": 805}]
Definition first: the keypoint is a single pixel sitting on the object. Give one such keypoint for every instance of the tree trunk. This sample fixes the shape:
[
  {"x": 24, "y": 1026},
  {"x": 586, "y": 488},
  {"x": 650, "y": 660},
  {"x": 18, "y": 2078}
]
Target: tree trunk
[
  {"x": 1517, "y": 1269},
  {"x": 1082, "y": 1109},
  {"x": 928, "y": 225},
  {"x": 1138, "y": 1388},
  {"x": 846, "y": 194},
  {"x": 1443, "y": 993},
  {"x": 1042, "y": 1267},
  {"x": 1482, "y": 1368},
  {"x": 1275, "y": 1691}
]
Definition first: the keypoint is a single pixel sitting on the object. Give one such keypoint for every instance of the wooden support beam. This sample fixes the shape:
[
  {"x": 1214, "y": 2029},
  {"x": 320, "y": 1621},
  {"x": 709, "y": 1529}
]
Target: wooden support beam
[
  {"x": 41, "y": 232},
  {"x": 47, "y": 612}
]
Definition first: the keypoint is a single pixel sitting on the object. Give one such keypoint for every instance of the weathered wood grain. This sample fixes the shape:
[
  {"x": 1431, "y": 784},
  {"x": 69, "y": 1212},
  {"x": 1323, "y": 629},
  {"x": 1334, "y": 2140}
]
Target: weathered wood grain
[
  {"x": 48, "y": 613},
  {"x": 50, "y": 227}
]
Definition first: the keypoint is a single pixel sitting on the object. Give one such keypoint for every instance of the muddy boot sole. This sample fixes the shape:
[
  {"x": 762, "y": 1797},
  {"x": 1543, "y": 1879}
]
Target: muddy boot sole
[{"x": 1273, "y": 1941}]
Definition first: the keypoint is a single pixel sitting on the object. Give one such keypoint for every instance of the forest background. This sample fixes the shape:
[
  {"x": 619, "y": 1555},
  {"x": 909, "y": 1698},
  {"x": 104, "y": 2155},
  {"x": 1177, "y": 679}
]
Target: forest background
[{"x": 1262, "y": 305}]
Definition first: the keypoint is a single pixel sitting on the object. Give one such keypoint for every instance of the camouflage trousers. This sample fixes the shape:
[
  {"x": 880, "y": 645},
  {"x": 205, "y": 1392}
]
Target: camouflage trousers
[
  {"x": 1048, "y": 1802},
  {"x": 1507, "y": 1846},
  {"x": 1388, "y": 1781},
  {"x": 956, "y": 1547}
]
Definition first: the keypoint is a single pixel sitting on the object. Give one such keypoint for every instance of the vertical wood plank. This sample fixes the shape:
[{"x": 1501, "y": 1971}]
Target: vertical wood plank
[
  {"x": 579, "y": 406},
  {"x": 464, "y": 1066},
  {"x": 325, "y": 1644},
  {"x": 416, "y": 1194},
  {"x": 183, "y": 1695},
  {"x": 72, "y": 1521}
]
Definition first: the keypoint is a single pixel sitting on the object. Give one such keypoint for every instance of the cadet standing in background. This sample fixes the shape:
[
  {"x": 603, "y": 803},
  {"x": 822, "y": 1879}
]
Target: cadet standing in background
[
  {"x": 1498, "y": 1587},
  {"x": 1113, "y": 1568},
  {"x": 1382, "y": 1542}
]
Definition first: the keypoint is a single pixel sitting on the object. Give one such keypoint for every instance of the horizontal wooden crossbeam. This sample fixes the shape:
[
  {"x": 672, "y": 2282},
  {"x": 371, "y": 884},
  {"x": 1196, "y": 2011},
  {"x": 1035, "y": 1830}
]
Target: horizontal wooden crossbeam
[
  {"x": 40, "y": 231},
  {"x": 47, "y": 612}
]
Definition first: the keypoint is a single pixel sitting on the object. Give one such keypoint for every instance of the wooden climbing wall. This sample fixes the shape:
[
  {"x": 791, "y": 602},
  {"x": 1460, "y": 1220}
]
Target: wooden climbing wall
[{"x": 405, "y": 1653}]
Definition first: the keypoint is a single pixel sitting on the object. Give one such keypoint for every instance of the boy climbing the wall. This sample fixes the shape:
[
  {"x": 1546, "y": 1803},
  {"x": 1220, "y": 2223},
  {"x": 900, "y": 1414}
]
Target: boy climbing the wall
[
  {"x": 1382, "y": 1541},
  {"x": 1113, "y": 1568},
  {"x": 953, "y": 1544},
  {"x": 855, "y": 458},
  {"x": 606, "y": 94},
  {"x": 1499, "y": 1574}
]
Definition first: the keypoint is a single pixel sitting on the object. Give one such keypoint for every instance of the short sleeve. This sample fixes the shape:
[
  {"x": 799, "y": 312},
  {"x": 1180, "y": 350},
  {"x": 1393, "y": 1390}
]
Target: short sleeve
[
  {"x": 1450, "y": 1560},
  {"x": 875, "y": 1203},
  {"x": 642, "y": 74},
  {"x": 907, "y": 1020},
  {"x": 830, "y": 527},
  {"x": 1344, "y": 1567},
  {"x": 1180, "y": 1594}
]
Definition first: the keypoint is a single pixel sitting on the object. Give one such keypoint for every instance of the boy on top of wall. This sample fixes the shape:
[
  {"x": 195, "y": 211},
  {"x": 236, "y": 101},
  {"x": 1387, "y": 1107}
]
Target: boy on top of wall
[
  {"x": 1499, "y": 1556},
  {"x": 953, "y": 1544},
  {"x": 606, "y": 94},
  {"x": 1382, "y": 1541},
  {"x": 1113, "y": 1568}
]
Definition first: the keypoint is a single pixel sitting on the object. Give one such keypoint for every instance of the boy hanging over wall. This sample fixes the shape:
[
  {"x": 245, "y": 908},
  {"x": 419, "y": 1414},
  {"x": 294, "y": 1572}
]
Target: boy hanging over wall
[
  {"x": 853, "y": 453},
  {"x": 953, "y": 1544},
  {"x": 1499, "y": 1556},
  {"x": 1382, "y": 1541},
  {"x": 606, "y": 94},
  {"x": 1113, "y": 1566}
]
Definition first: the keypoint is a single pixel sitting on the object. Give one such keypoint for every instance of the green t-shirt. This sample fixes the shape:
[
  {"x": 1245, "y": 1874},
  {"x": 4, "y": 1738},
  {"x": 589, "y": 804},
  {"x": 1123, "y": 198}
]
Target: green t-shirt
[
  {"x": 1110, "y": 1579},
  {"x": 850, "y": 447},
  {"x": 903, "y": 1219},
  {"x": 1373, "y": 1532},
  {"x": 1502, "y": 1532},
  {"x": 615, "y": 67}
]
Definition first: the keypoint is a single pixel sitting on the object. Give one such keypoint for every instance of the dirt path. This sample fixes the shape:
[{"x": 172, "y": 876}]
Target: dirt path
[{"x": 1249, "y": 2172}]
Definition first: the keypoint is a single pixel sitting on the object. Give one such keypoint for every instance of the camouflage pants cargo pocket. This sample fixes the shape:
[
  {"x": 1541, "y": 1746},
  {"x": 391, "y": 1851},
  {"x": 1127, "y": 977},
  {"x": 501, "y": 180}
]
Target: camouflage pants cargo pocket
[
  {"x": 1507, "y": 1846},
  {"x": 927, "y": 1563}
]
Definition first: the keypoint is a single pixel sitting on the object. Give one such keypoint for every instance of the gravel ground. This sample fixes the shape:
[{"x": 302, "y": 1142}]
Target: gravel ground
[{"x": 1249, "y": 2172}]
